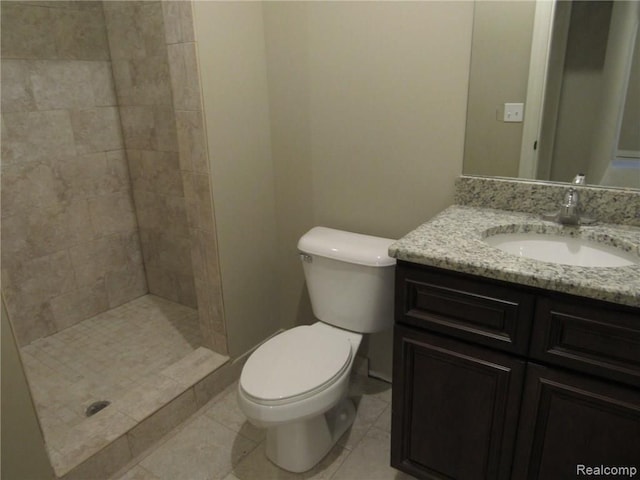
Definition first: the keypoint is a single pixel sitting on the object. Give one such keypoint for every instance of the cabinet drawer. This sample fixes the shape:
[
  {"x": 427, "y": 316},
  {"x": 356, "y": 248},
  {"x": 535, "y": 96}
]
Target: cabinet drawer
[
  {"x": 588, "y": 337},
  {"x": 484, "y": 312}
]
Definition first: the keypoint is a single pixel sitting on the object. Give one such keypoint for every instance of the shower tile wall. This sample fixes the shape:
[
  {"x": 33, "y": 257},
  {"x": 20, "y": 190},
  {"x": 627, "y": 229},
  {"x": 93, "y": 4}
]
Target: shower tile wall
[
  {"x": 143, "y": 87},
  {"x": 70, "y": 241},
  {"x": 70, "y": 247},
  {"x": 194, "y": 165}
]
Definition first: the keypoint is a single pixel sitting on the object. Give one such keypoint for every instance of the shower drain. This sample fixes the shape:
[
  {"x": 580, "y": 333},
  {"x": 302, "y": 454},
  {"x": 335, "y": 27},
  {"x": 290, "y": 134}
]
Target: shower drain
[{"x": 95, "y": 407}]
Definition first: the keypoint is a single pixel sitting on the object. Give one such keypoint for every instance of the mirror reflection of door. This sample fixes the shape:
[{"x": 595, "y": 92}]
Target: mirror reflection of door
[{"x": 591, "y": 112}]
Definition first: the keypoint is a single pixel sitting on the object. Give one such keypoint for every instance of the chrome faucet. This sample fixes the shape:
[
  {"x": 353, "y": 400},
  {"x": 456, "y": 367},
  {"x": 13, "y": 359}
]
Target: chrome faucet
[
  {"x": 570, "y": 210},
  {"x": 569, "y": 213}
]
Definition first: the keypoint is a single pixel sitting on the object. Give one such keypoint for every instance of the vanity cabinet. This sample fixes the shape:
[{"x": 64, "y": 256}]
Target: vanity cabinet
[{"x": 499, "y": 381}]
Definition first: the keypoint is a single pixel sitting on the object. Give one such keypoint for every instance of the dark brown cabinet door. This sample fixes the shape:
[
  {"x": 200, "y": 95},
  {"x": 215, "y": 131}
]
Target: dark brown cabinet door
[
  {"x": 569, "y": 421},
  {"x": 455, "y": 407}
]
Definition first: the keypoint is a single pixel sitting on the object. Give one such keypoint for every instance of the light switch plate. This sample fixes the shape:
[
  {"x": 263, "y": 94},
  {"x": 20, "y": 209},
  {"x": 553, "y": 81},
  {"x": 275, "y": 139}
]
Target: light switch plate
[{"x": 513, "y": 112}]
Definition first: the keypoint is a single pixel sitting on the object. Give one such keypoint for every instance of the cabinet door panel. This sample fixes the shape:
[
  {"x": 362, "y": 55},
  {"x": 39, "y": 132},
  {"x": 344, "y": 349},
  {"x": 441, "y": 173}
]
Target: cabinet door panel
[
  {"x": 568, "y": 420},
  {"x": 455, "y": 408}
]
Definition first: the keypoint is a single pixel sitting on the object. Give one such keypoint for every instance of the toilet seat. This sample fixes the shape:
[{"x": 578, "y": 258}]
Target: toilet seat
[{"x": 295, "y": 364}]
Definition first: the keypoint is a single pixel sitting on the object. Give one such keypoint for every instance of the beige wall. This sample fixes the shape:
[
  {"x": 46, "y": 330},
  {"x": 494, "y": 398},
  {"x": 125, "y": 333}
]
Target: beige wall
[
  {"x": 367, "y": 118},
  {"x": 361, "y": 128},
  {"x": 499, "y": 74},
  {"x": 23, "y": 452},
  {"x": 578, "y": 114},
  {"x": 231, "y": 50}
]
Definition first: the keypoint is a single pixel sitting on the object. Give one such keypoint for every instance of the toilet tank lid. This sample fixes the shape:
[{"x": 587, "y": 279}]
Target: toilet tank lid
[{"x": 347, "y": 247}]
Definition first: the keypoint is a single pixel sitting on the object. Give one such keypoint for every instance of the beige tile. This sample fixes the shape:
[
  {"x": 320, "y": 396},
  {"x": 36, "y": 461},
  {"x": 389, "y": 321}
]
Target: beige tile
[
  {"x": 199, "y": 201},
  {"x": 166, "y": 139},
  {"x": 126, "y": 284},
  {"x": 257, "y": 465},
  {"x": 151, "y": 25},
  {"x": 104, "y": 463},
  {"x": 185, "y": 82},
  {"x": 137, "y": 473},
  {"x": 157, "y": 172},
  {"x": 97, "y": 129},
  {"x": 165, "y": 213},
  {"x": 80, "y": 34},
  {"x": 368, "y": 409},
  {"x": 192, "y": 142},
  {"x": 113, "y": 213},
  {"x": 149, "y": 80},
  {"x": 102, "y": 84},
  {"x": 26, "y": 186},
  {"x": 34, "y": 135},
  {"x": 168, "y": 252},
  {"x": 203, "y": 449},
  {"x": 173, "y": 286},
  {"x": 92, "y": 260},
  {"x": 26, "y": 31},
  {"x": 220, "y": 344},
  {"x": 91, "y": 437},
  {"x": 370, "y": 459},
  {"x": 73, "y": 307},
  {"x": 162, "y": 422},
  {"x": 218, "y": 381},
  {"x": 225, "y": 410},
  {"x": 135, "y": 29},
  {"x": 125, "y": 38},
  {"x": 55, "y": 227},
  {"x": 138, "y": 127},
  {"x": 17, "y": 94},
  {"x": 178, "y": 21},
  {"x": 365, "y": 385},
  {"x": 31, "y": 319},
  {"x": 90, "y": 175},
  {"x": 40, "y": 278},
  {"x": 62, "y": 84},
  {"x": 384, "y": 420},
  {"x": 194, "y": 367},
  {"x": 148, "y": 397},
  {"x": 231, "y": 476}
]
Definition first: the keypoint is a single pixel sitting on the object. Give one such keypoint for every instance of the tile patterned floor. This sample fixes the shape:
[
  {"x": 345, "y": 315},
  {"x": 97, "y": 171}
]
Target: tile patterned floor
[
  {"x": 219, "y": 443},
  {"x": 104, "y": 356}
]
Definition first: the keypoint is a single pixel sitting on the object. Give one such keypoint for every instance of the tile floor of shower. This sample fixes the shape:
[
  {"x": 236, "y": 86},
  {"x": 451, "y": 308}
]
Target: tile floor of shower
[{"x": 107, "y": 357}]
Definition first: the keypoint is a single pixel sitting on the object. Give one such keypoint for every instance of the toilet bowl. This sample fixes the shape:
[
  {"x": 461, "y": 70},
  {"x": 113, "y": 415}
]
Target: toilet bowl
[
  {"x": 304, "y": 414},
  {"x": 295, "y": 384}
]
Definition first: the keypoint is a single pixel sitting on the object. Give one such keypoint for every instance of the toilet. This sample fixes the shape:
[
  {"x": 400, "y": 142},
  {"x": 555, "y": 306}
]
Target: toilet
[{"x": 295, "y": 384}]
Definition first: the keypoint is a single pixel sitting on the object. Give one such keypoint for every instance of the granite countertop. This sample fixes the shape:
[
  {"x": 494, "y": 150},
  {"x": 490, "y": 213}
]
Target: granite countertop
[{"x": 453, "y": 240}]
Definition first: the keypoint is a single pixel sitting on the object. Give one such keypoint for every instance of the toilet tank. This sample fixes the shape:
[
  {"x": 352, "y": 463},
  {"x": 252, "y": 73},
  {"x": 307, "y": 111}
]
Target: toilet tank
[{"x": 349, "y": 278}]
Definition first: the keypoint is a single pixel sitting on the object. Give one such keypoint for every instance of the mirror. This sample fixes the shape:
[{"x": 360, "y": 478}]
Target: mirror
[{"x": 554, "y": 90}]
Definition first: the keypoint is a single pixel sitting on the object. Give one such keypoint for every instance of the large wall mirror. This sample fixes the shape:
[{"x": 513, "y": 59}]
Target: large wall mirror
[{"x": 554, "y": 91}]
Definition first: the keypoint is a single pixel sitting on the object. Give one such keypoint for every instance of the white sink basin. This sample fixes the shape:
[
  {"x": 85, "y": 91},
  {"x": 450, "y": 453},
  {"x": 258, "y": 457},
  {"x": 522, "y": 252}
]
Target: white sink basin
[{"x": 562, "y": 249}]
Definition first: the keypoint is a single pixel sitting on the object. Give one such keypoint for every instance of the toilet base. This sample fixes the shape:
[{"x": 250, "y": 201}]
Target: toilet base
[{"x": 299, "y": 446}]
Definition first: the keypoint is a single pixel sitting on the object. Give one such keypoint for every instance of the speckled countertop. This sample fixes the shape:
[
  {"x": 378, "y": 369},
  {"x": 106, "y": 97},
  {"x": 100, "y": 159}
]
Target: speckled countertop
[{"x": 453, "y": 240}]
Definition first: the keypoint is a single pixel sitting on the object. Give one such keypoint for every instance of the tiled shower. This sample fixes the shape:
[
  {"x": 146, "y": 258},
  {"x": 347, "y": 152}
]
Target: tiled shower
[{"x": 106, "y": 196}]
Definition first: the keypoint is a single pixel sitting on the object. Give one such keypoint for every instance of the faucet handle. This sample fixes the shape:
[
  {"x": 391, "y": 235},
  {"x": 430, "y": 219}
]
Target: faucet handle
[{"x": 579, "y": 179}]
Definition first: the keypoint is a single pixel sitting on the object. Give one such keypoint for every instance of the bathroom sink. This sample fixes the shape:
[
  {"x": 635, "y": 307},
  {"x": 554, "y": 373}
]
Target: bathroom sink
[{"x": 562, "y": 249}]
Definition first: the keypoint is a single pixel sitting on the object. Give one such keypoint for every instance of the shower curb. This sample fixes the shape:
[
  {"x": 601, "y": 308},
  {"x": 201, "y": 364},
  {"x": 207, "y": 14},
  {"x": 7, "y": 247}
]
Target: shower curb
[{"x": 113, "y": 437}]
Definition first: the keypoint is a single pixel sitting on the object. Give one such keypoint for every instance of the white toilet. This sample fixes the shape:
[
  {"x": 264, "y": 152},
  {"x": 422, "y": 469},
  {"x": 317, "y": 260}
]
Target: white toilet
[{"x": 295, "y": 384}]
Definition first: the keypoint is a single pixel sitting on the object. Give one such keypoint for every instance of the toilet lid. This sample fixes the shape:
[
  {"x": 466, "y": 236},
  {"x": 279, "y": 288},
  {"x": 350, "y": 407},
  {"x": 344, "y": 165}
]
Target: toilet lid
[{"x": 293, "y": 363}]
